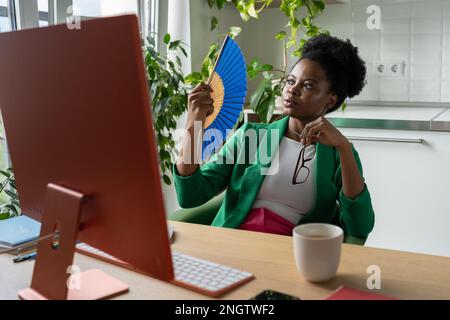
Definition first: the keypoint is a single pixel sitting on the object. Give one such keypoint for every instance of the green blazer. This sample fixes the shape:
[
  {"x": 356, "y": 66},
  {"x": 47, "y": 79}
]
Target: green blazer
[{"x": 238, "y": 169}]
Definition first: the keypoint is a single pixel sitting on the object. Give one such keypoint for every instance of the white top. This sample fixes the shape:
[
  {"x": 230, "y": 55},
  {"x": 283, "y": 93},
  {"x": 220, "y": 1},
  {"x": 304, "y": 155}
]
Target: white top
[{"x": 277, "y": 192}]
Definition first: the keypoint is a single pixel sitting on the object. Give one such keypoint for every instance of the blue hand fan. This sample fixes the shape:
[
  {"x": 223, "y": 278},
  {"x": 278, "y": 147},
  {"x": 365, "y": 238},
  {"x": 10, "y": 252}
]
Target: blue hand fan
[{"x": 229, "y": 83}]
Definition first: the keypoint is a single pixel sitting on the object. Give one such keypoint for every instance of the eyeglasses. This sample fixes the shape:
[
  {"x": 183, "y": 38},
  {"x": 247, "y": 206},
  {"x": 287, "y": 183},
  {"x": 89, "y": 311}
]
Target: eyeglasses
[{"x": 301, "y": 173}]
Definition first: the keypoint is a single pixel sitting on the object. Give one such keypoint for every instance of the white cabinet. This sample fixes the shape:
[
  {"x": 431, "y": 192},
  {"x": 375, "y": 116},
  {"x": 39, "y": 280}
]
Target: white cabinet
[{"x": 409, "y": 183}]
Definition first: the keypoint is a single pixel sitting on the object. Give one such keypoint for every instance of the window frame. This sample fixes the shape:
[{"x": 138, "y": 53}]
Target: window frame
[
  {"x": 29, "y": 16},
  {"x": 10, "y": 13}
]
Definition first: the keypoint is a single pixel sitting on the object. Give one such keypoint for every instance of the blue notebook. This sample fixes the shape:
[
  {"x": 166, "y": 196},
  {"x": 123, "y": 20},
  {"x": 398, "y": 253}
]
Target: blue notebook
[{"x": 18, "y": 230}]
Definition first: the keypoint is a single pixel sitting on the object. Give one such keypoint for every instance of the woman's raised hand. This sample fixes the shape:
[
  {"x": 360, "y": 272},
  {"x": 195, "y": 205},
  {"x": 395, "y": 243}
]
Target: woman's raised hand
[{"x": 200, "y": 103}]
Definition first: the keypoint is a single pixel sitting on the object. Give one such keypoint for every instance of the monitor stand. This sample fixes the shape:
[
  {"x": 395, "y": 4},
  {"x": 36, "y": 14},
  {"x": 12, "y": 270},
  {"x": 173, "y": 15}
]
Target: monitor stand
[{"x": 52, "y": 278}]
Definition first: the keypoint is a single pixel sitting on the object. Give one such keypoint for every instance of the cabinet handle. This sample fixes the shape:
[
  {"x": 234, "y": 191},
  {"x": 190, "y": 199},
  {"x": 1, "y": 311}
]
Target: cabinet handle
[{"x": 385, "y": 139}]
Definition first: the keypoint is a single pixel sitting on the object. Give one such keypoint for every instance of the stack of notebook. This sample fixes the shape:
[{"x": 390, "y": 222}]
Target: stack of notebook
[{"x": 17, "y": 231}]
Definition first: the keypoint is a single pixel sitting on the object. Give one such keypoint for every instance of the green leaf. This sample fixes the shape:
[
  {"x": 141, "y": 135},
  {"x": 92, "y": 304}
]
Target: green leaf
[
  {"x": 244, "y": 16},
  {"x": 9, "y": 208},
  {"x": 11, "y": 194},
  {"x": 304, "y": 23},
  {"x": 151, "y": 73},
  {"x": 213, "y": 51},
  {"x": 267, "y": 67},
  {"x": 162, "y": 105},
  {"x": 280, "y": 35},
  {"x": 302, "y": 43},
  {"x": 167, "y": 180},
  {"x": 284, "y": 7},
  {"x": 171, "y": 65},
  {"x": 267, "y": 75},
  {"x": 4, "y": 216},
  {"x": 290, "y": 43},
  {"x": 240, "y": 6},
  {"x": 263, "y": 109},
  {"x": 297, "y": 53},
  {"x": 193, "y": 78},
  {"x": 220, "y": 4},
  {"x": 234, "y": 31},
  {"x": 183, "y": 51},
  {"x": 310, "y": 33},
  {"x": 258, "y": 94},
  {"x": 294, "y": 23},
  {"x": 166, "y": 38},
  {"x": 210, "y": 3},
  {"x": 164, "y": 155},
  {"x": 252, "y": 11},
  {"x": 319, "y": 4},
  {"x": 178, "y": 61},
  {"x": 254, "y": 63},
  {"x": 151, "y": 40},
  {"x": 316, "y": 9},
  {"x": 214, "y": 23},
  {"x": 12, "y": 183},
  {"x": 270, "y": 108},
  {"x": 252, "y": 74},
  {"x": 5, "y": 173},
  {"x": 173, "y": 45}
]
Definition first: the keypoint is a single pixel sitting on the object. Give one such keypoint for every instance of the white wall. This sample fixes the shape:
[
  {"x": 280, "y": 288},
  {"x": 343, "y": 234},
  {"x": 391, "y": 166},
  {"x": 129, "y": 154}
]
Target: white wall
[{"x": 417, "y": 32}]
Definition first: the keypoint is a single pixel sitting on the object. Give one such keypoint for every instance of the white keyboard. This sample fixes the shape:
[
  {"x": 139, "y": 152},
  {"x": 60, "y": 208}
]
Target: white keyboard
[
  {"x": 207, "y": 277},
  {"x": 200, "y": 275},
  {"x": 94, "y": 252}
]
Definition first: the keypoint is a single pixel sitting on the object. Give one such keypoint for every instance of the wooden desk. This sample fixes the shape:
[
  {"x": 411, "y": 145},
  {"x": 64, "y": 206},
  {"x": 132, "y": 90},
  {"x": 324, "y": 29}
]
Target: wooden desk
[{"x": 270, "y": 259}]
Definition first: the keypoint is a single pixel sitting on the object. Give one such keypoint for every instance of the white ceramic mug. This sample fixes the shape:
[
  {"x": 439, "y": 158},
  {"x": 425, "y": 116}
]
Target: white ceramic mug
[{"x": 317, "y": 250}]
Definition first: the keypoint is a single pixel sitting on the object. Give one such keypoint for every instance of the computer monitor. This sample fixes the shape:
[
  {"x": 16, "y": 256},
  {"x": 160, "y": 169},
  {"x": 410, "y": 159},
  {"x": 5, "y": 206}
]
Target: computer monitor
[{"x": 78, "y": 123}]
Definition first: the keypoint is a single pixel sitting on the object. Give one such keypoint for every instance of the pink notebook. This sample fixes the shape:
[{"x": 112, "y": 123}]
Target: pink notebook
[{"x": 346, "y": 293}]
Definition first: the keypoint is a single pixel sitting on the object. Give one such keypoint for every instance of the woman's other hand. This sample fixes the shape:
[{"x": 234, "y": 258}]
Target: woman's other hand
[{"x": 321, "y": 130}]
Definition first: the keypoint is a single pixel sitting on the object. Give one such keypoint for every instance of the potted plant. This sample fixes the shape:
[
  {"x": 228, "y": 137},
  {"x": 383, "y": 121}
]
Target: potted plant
[{"x": 168, "y": 94}]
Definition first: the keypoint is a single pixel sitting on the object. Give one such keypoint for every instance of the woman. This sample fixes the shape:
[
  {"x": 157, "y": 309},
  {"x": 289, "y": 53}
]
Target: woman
[{"x": 315, "y": 172}]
